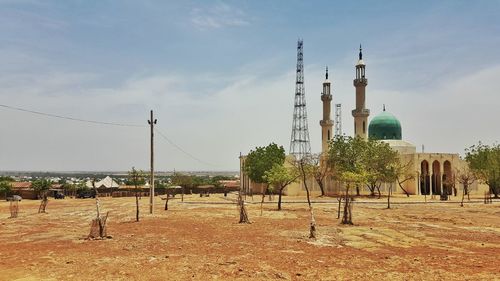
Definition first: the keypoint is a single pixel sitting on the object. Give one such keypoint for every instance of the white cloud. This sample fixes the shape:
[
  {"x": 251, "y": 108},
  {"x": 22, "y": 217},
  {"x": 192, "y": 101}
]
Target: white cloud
[{"x": 218, "y": 16}]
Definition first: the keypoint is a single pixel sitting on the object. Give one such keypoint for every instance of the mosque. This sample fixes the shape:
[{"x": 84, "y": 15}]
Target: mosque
[{"x": 433, "y": 173}]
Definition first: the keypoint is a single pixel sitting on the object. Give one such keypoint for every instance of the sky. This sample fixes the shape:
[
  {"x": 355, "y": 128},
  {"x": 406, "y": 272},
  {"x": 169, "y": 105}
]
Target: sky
[{"x": 220, "y": 77}]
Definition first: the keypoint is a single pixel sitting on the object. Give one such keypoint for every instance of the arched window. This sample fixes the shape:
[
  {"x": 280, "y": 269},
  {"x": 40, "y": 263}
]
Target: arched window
[
  {"x": 354, "y": 127},
  {"x": 364, "y": 127},
  {"x": 328, "y": 134}
]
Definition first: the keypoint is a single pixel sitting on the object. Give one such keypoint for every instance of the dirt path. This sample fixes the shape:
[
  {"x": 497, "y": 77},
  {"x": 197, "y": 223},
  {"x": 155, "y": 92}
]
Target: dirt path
[{"x": 205, "y": 242}]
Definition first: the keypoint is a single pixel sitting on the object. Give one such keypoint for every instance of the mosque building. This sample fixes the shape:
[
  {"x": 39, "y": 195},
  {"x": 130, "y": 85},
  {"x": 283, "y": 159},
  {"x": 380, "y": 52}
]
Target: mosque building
[{"x": 433, "y": 172}]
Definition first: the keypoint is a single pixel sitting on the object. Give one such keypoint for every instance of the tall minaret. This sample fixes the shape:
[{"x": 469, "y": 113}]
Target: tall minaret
[
  {"x": 360, "y": 114},
  {"x": 326, "y": 123}
]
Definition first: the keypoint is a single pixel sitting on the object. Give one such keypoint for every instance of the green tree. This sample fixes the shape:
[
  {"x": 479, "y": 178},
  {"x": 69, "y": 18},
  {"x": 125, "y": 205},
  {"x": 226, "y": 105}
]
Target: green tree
[
  {"x": 280, "y": 177},
  {"x": 484, "y": 161},
  {"x": 41, "y": 186},
  {"x": 5, "y": 187},
  {"x": 69, "y": 188},
  {"x": 260, "y": 160},
  {"x": 186, "y": 182},
  {"x": 346, "y": 156},
  {"x": 378, "y": 159},
  {"x": 6, "y": 178},
  {"x": 137, "y": 178}
]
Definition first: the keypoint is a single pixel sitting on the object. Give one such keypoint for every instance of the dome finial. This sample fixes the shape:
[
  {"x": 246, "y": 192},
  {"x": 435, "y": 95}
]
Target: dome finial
[
  {"x": 326, "y": 72},
  {"x": 384, "y": 106},
  {"x": 360, "y": 52}
]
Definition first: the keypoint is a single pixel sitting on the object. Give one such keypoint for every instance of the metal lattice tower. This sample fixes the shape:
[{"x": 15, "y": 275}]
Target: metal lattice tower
[
  {"x": 338, "y": 119},
  {"x": 300, "y": 145}
]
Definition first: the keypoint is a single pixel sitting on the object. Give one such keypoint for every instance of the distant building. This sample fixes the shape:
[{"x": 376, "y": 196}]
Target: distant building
[{"x": 107, "y": 182}]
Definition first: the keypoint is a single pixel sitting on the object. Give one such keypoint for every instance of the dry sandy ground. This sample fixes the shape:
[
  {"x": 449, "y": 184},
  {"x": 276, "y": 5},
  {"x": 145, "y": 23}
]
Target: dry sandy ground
[{"x": 204, "y": 242}]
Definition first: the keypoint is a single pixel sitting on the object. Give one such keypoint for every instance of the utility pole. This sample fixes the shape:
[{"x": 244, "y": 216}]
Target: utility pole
[{"x": 151, "y": 123}]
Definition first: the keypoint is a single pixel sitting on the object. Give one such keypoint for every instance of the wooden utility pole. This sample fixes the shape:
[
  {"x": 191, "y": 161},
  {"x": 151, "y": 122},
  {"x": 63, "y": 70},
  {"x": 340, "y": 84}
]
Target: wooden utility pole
[{"x": 151, "y": 123}]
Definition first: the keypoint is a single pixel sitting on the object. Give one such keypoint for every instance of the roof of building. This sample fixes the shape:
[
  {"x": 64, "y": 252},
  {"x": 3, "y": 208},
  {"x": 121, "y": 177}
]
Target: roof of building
[
  {"x": 107, "y": 182},
  {"x": 385, "y": 126},
  {"x": 21, "y": 185}
]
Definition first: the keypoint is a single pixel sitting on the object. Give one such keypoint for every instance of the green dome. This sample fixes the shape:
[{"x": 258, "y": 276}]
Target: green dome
[{"x": 385, "y": 127}]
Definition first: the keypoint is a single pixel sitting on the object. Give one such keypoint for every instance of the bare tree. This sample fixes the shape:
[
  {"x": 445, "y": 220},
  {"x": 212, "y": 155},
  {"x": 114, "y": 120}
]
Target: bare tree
[
  {"x": 98, "y": 227},
  {"x": 14, "y": 208},
  {"x": 466, "y": 177},
  {"x": 242, "y": 209},
  {"x": 41, "y": 187},
  {"x": 404, "y": 173},
  {"x": 320, "y": 170},
  {"x": 306, "y": 171},
  {"x": 43, "y": 203},
  {"x": 136, "y": 178}
]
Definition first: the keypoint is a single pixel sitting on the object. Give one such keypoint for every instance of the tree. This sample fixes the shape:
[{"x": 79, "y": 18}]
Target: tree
[
  {"x": 346, "y": 156},
  {"x": 185, "y": 181},
  {"x": 260, "y": 160},
  {"x": 378, "y": 159},
  {"x": 7, "y": 179},
  {"x": 320, "y": 170},
  {"x": 280, "y": 177},
  {"x": 391, "y": 175},
  {"x": 466, "y": 177},
  {"x": 137, "y": 178},
  {"x": 98, "y": 228},
  {"x": 243, "y": 211},
  {"x": 5, "y": 187},
  {"x": 69, "y": 188},
  {"x": 403, "y": 170},
  {"x": 305, "y": 167},
  {"x": 41, "y": 187},
  {"x": 484, "y": 161}
]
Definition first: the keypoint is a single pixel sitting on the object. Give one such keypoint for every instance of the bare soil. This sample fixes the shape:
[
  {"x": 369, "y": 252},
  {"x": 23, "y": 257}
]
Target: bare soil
[{"x": 201, "y": 239}]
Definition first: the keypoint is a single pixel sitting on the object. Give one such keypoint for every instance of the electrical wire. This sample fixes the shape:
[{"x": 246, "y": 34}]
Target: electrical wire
[
  {"x": 71, "y": 118},
  {"x": 183, "y": 151},
  {"x": 108, "y": 124}
]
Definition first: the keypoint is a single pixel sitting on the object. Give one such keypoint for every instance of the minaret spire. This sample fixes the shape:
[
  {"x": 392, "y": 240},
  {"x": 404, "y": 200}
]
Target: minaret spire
[
  {"x": 326, "y": 123},
  {"x": 360, "y": 113}
]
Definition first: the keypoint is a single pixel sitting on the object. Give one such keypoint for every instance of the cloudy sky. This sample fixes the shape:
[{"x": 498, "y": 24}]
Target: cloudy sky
[{"x": 220, "y": 76}]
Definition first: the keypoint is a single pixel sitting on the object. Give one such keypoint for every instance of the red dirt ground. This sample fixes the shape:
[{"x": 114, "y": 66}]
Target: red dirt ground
[{"x": 195, "y": 241}]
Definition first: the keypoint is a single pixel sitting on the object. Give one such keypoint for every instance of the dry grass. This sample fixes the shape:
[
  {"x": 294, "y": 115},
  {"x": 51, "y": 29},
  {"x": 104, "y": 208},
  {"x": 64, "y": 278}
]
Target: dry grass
[{"x": 205, "y": 242}]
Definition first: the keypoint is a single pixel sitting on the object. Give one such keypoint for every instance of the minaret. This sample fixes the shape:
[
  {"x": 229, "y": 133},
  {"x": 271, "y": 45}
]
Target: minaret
[
  {"x": 326, "y": 123},
  {"x": 360, "y": 114}
]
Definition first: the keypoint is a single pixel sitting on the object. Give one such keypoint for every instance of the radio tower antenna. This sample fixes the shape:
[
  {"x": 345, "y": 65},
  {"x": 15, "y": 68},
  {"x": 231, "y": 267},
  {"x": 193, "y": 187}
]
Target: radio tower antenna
[
  {"x": 338, "y": 119},
  {"x": 300, "y": 145}
]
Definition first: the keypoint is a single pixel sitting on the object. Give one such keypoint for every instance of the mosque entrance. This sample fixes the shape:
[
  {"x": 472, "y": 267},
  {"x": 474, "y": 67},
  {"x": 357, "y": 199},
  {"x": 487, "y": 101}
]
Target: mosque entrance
[
  {"x": 424, "y": 178},
  {"x": 436, "y": 178},
  {"x": 448, "y": 181}
]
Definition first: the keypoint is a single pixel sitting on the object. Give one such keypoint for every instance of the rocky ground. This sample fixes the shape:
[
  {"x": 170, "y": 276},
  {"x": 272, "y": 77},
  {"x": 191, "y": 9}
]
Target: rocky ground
[{"x": 201, "y": 239}]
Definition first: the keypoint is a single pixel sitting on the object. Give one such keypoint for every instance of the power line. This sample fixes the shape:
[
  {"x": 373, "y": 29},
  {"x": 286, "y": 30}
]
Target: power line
[
  {"x": 70, "y": 118},
  {"x": 183, "y": 151},
  {"x": 108, "y": 124}
]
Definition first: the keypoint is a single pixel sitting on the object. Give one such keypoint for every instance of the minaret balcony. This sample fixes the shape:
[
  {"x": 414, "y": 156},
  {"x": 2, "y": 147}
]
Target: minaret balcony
[
  {"x": 360, "y": 112},
  {"x": 360, "y": 82},
  {"x": 326, "y": 97},
  {"x": 324, "y": 123}
]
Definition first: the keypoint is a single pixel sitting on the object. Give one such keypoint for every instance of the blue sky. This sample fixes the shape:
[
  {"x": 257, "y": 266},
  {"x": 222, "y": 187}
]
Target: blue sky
[{"x": 220, "y": 76}]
